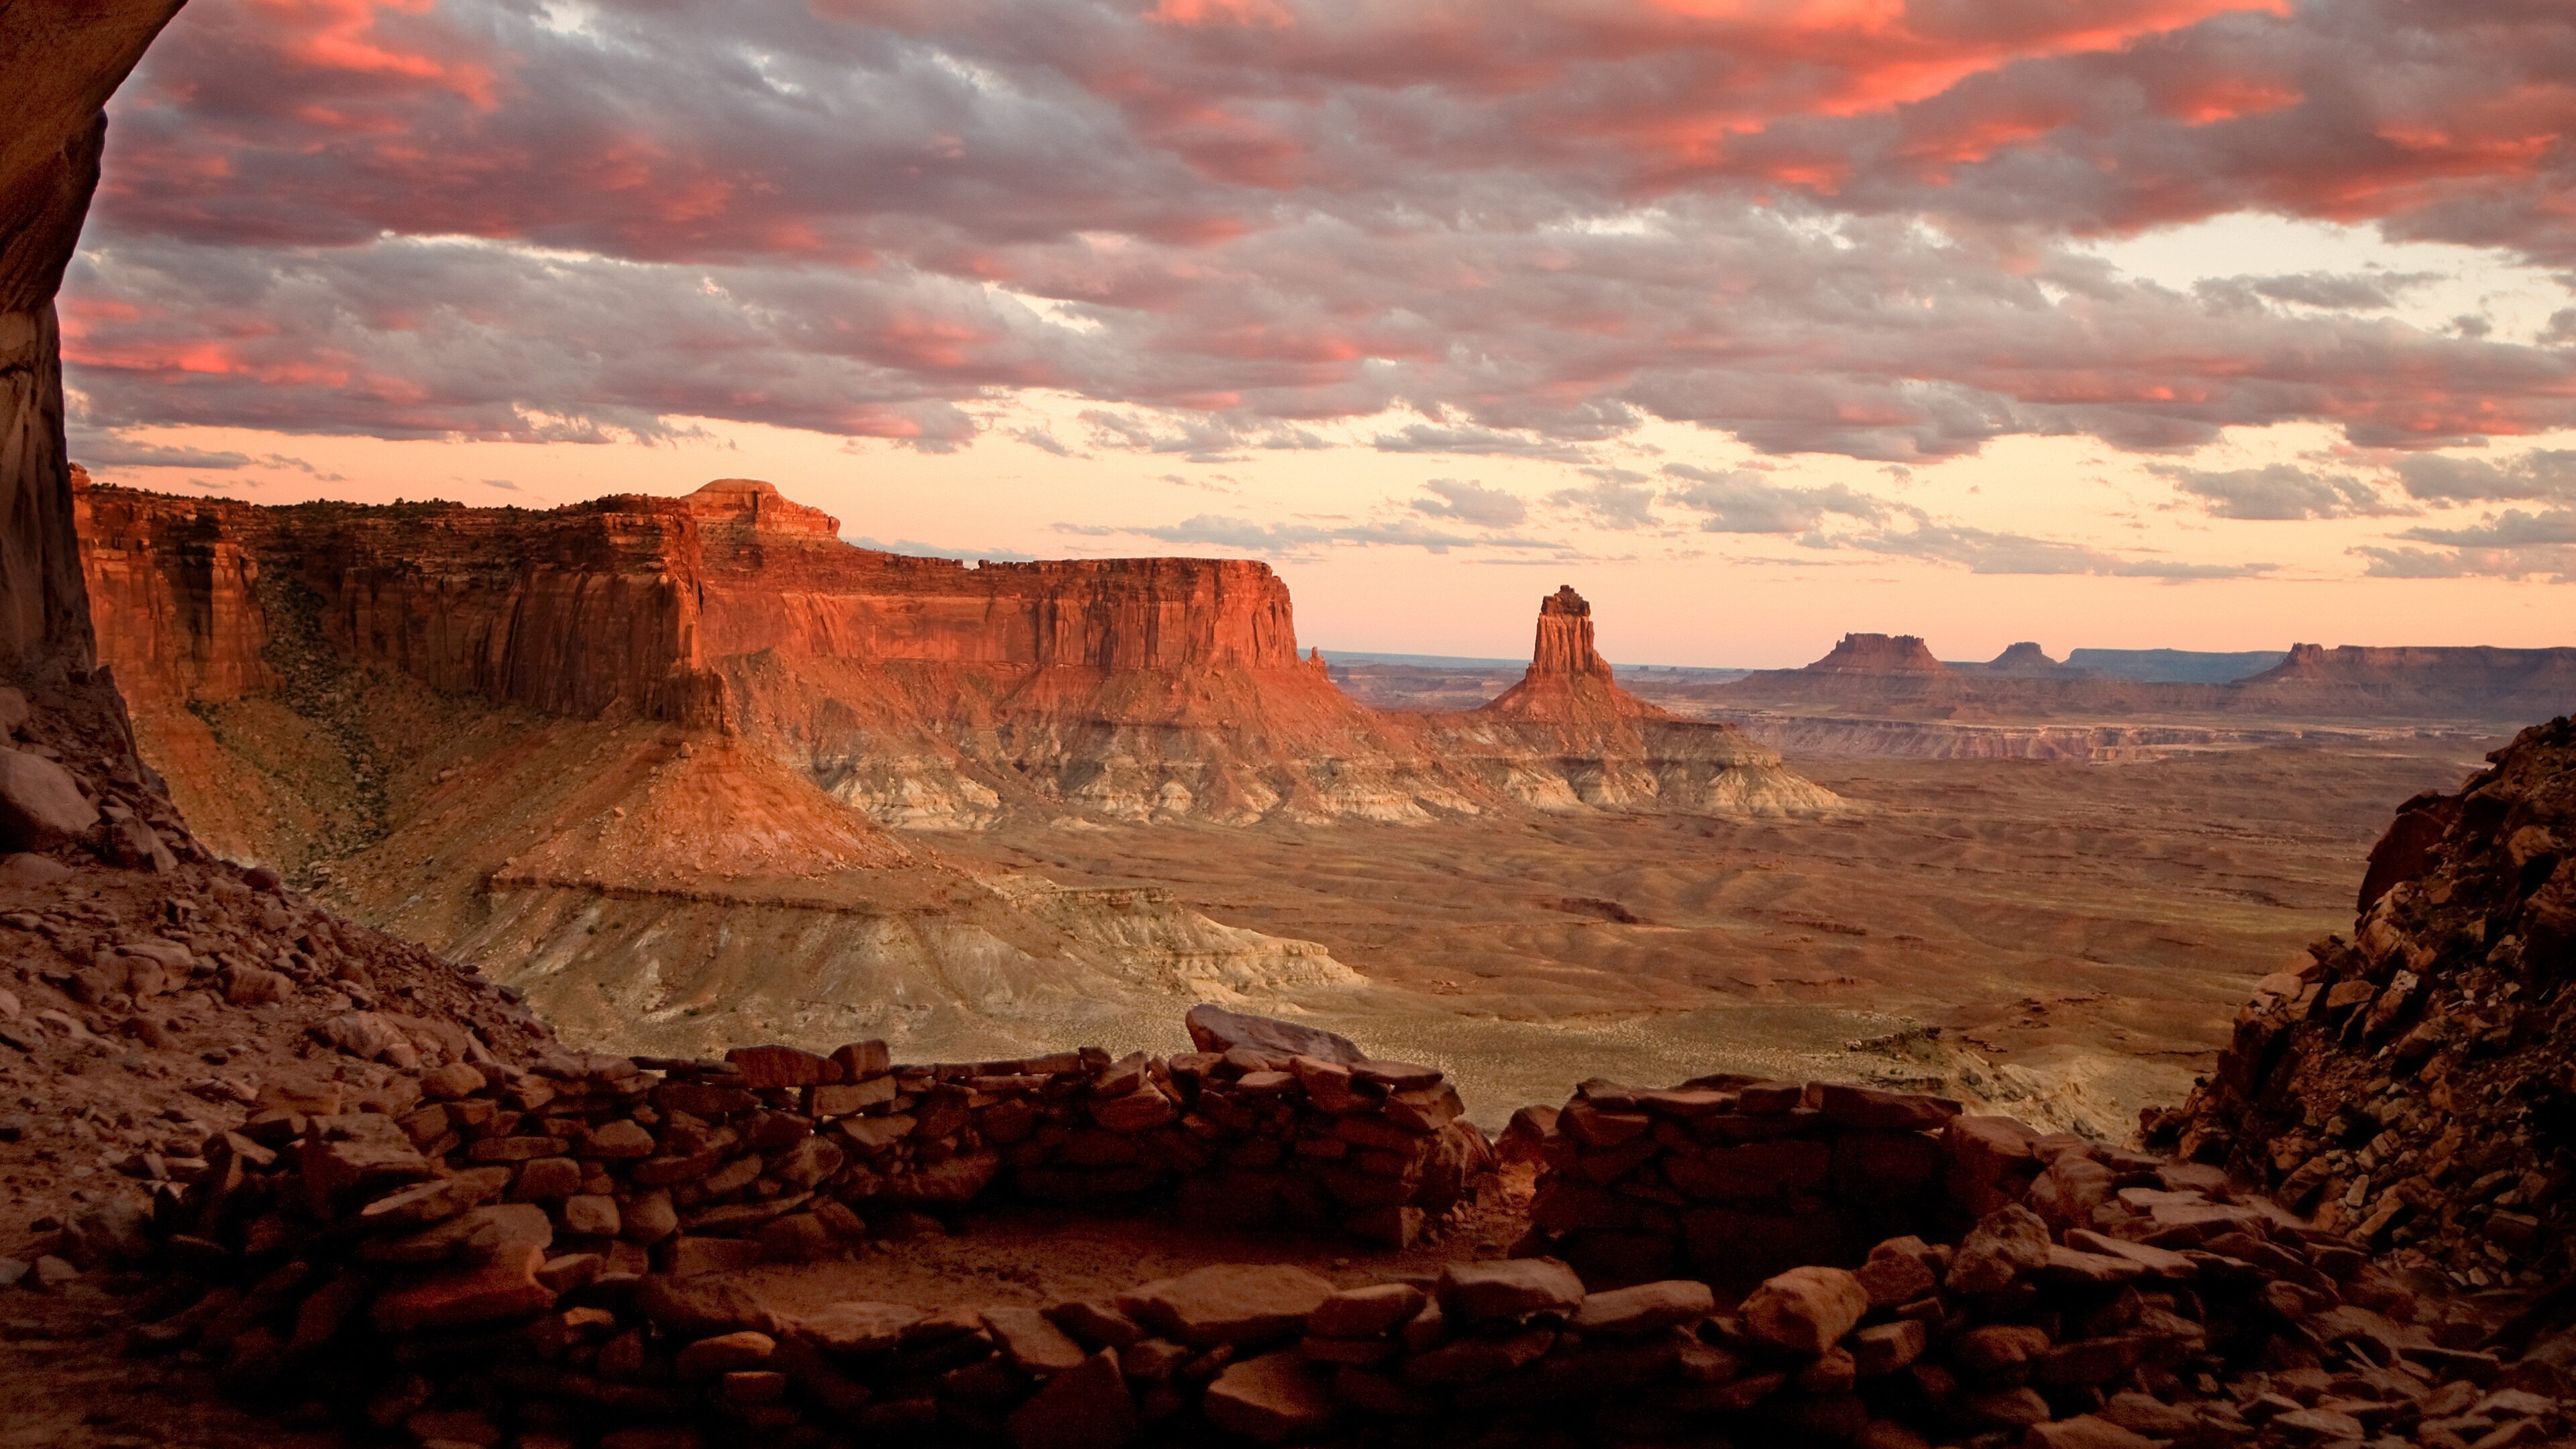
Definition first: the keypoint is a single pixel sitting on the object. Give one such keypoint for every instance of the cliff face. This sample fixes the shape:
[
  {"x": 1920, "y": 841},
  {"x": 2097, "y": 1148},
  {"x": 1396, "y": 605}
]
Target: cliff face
[
  {"x": 928, "y": 693},
  {"x": 58, "y": 66}
]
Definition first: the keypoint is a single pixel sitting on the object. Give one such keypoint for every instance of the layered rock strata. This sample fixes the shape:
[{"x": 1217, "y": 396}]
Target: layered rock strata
[
  {"x": 2411, "y": 1084},
  {"x": 926, "y": 693}
]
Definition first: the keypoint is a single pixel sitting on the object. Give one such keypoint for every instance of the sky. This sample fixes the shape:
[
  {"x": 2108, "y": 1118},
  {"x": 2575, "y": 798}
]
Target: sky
[{"x": 2111, "y": 323}]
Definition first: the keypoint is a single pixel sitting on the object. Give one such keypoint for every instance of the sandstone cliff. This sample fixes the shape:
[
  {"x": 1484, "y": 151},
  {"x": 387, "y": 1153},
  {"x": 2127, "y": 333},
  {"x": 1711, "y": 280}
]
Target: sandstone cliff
[{"x": 927, "y": 693}]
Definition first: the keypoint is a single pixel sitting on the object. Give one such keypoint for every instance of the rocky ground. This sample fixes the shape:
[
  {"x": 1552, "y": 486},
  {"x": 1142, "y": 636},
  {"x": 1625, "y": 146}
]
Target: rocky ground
[{"x": 2411, "y": 1084}]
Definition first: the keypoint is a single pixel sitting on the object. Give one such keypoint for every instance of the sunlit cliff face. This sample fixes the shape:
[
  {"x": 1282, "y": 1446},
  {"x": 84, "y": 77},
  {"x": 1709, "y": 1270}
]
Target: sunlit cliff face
[{"x": 1974, "y": 314}]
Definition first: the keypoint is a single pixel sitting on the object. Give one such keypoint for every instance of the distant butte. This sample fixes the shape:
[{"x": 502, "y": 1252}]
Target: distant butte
[
  {"x": 1879, "y": 654},
  {"x": 1568, "y": 680}
]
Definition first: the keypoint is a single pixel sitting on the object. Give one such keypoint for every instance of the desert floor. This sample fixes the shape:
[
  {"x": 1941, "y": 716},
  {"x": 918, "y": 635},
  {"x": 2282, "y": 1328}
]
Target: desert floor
[{"x": 2096, "y": 924}]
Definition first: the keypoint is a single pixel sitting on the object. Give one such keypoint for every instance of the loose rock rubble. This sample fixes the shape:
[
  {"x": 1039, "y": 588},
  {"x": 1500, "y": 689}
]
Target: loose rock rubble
[{"x": 2413, "y": 1085}]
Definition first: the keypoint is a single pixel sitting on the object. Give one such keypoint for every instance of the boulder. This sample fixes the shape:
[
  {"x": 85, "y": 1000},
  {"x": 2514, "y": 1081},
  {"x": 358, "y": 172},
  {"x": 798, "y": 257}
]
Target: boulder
[
  {"x": 1215, "y": 1029},
  {"x": 40, "y": 803}
]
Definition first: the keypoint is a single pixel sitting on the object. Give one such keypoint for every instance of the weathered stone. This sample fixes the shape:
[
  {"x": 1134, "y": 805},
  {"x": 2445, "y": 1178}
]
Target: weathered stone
[
  {"x": 1030, "y": 1342},
  {"x": 702, "y": 1307},
  {"x": 648, "y": 1218},
  {"x": 856, "y": 1328},
  {"x": 592, "y": 1215},
  {"x": 1478, "y": 1360},
  {"x": 723, "y": 1353},
  {"x": 1236, "y": 1304},
  {"x": 1999, "y": 1352},
  {"x": 1137, "y": 1111},
  {"x": 1084, "y": 1406},
  {"x": 1271, "y": 1399},
  {"x": 1508, "y": 1288},
  {"x": 416, "y": 1207},
  {"x": 251, "y": 986},
  {"x": 2086, "y": 1431},
  {"x": 1898, "y": 1271},
  {"x": 1215, "y": 1029},
  {"x": 1805, "y": 1310},
  {"x": 763, "y": 1068},
  {"x": 1645, "y": 1308},
  {"x": 1367, "y": 1312},
  {"x": 1887, "y": 1347},
  {"x": 1881, "y": 1110},
  {"x": 844, "y": 1099},
  {"x": 503, "y": 1288},
  {"x": 40, "y": 803},
  {"x": 861, "y": 1060},
  {"x": 691, "y": 1256},
  {"x": 2004, "y": 1245},
  {"x": 618, "y": 1141},
  {"x": 547, "y": 1179}
]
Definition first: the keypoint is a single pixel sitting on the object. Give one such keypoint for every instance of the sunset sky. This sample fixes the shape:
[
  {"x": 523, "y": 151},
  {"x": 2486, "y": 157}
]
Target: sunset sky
[{"x": 2119, "y": 323}]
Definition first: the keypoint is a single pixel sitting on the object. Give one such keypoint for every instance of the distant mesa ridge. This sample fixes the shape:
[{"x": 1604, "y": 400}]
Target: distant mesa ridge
[
  {"x": 1898, "y": 674},
  {"x": 925, "y": 692},
  {"x": 1879, "y": 654}
]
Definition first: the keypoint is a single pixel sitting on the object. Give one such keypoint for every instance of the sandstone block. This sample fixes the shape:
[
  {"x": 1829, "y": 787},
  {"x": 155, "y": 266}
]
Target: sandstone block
[
  {"x": 860, "y": 1060},
  {"x": 1096, "y": 1325},
  {"x": 1887, "y": 1168},
  {"x": 1030, "y": 1342},
  {"x": 2086, "y": 1431},
  {"x": 1998, "y": 1352},
  {"x": 1508, "y": 1288},
  {"x": 547, "y": 1179},
  {"x": 857, "y": 1328},
  {"x": 435, "y": 1201},
  {"x": 618, "y": 1141},
  {"x": 1898, "y": 1271},
  {"x": 1137, "y": 1111},
  {"x": 1478, "y": 1360},
  {"x": 1768, "y": 1098},
  {"x": 504, "y": 1288},
  {"x": 1367, "y": 1312},
  {"x": 1215, "y": 1029},
  {"x": 1887, "y": 1347},
  {"x": 1234, "y": 1304},
  {"x": 456, "y": 1079},
  {"x": 1645, "y": 1308},
  {"x": 764, "y": 1068},
  {"x": 1882, "y": 1110},
  {"x": 648, "y": 1218},
  {"x": 2004, "y": 1245},
  {"x": 591, "y": 1215},
  {"x": 251, "y": 986},
  {"x": 872, "y": 1135},
  {"x": 1271, "y": 1399},
  {"x": 691, "y": 1256},
  {"x": 725, "y": 1353},
  {"x": 844, "y": 1099},
  {"x": 1084, "y": 1406},
  {"x": 1806, "y": 1309},
  {"x": 1753, "y": 1171}
]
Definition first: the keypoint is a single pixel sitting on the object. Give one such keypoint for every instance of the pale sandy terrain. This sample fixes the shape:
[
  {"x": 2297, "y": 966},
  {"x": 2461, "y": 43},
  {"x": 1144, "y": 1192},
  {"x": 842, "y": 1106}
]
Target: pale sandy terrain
[{"x": 2095, "y": 923}]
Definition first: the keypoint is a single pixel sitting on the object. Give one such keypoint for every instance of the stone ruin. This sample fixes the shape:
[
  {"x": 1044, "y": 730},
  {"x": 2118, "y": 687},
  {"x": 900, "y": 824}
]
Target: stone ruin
[{"x": 543, "y": 1257}]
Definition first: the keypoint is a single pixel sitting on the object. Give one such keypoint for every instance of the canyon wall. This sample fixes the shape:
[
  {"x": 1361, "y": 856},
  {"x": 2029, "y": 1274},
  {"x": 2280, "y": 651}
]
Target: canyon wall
[
  {"x": 926, "y": 692},
  {"x": 58, "y": 65}
]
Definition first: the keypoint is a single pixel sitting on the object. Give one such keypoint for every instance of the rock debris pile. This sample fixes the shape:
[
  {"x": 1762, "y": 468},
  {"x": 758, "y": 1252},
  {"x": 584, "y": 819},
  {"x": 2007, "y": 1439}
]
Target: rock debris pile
[{"x": 2414, "y": 1086}]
